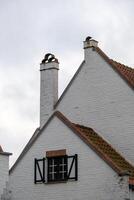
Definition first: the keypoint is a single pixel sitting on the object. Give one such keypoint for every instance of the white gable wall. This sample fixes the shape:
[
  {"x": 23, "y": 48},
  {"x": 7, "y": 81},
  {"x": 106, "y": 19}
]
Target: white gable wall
[
  {"x": 101, "y": 99},
  {"x": 96, "y": 180},
  {"x": 4, "y": 172}
]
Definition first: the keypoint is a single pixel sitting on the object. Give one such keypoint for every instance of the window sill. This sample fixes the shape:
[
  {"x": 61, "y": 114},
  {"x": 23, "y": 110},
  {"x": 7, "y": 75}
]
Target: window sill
[{"x": 56, "y": 182}]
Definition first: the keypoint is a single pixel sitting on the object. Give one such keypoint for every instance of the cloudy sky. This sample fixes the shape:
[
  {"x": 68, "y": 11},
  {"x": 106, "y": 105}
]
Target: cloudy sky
[{"x": 31, "y": 28}]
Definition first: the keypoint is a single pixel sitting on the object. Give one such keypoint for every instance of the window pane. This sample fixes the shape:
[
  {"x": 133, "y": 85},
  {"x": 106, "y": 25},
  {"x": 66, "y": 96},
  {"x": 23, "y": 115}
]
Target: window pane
[
  {"x": 57, "y": 169},
  {"x": 50, "y": 161},
  {"x": 50, "y": 169}
]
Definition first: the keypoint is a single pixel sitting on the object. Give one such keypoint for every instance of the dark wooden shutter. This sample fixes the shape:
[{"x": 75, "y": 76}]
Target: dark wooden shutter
[
  {"x": 73, "y": 167},
  {"x": 39, "y": 170}
]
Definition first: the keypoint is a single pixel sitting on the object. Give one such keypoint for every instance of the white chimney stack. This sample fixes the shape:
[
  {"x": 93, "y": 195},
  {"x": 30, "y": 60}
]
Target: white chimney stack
[
  {"x": 89, "y": 44},
  {"x": 48, "y": 86}
]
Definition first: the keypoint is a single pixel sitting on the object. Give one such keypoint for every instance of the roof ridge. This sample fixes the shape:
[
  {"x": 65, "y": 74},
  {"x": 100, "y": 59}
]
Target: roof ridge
[{"x": 124, "y": 65}]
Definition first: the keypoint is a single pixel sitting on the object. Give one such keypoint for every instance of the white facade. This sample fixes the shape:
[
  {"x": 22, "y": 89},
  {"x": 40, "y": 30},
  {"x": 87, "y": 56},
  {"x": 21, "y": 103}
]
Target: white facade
[
  {"x": 99, "y": 98},
  {"x": 96, "y": 180},
  {"x": 4, "y": 172}
]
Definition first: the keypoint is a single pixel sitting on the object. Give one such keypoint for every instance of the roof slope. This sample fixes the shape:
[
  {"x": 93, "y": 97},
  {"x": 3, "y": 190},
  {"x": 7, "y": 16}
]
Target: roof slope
[
  {"x": 93, "y": 140},
  {"x": 106, "y": 151},
  {"x": 124, "y": 71}
]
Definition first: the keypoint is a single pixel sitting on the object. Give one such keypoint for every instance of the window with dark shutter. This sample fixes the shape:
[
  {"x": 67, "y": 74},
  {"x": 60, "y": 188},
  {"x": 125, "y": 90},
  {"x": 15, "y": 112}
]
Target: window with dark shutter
[{"x": 56, "y": 169}]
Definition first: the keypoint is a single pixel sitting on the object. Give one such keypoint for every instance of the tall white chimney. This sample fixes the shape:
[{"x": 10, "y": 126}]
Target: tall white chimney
[{"x": 48, "y": 86}]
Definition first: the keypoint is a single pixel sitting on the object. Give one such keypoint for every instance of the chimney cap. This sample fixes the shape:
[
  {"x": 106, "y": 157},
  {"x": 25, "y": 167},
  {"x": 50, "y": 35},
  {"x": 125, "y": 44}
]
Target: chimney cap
[
  {"x": 48, "y": 58},
  {"x": 88, "y": 38},
  {"x": 89, "y": 42}
]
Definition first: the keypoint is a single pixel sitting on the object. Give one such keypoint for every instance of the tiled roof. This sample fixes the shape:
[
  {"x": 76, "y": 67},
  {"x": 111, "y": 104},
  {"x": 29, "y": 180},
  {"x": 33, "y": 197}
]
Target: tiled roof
[
  {"x": 106, "y": 151},
  {"x": 124, "y": 71}
]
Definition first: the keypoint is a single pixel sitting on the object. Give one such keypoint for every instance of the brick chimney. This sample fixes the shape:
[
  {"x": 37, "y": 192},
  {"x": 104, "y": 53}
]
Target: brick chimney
[{"x": 48, "y": 86}]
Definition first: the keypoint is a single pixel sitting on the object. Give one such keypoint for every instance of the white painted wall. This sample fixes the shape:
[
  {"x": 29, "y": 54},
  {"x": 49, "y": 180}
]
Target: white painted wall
[
  {"x": 4, "y": 172},
  {"x": 96, "y": 180},
  {"x": 101, "y": 99},
  {"x": 131, "y": 195}
]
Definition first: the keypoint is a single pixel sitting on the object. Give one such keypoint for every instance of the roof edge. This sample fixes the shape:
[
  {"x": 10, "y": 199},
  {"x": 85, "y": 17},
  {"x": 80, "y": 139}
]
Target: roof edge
[
  {"x": 69, "y": 84},
  {"x": 5, "y": 153},
  {"x": 91, "y": 145},
  {"x": 109, "y": 61},
  {"x": 23, "y": 151},
  {"x": 35, "y": 135}
]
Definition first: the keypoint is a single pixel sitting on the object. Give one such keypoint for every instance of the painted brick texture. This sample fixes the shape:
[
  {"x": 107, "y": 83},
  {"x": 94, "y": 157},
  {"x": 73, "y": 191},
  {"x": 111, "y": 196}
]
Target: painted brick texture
[
  {"x": 4, "y": 174},
  {"x": 101, "y": 99},
  {"x": 49, "y": 90},
  {"x": 96, "y": 180}
]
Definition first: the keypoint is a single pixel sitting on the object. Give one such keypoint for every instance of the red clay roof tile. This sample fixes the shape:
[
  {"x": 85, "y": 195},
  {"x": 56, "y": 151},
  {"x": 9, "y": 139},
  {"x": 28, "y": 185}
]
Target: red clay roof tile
[
  {"x": 106, "y": 151},
  {"x": 125, "y": 71}
]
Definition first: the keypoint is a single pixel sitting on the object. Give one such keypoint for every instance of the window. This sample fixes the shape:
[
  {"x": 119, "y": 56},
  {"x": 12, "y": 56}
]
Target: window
[{"x": 56, "y": 169}]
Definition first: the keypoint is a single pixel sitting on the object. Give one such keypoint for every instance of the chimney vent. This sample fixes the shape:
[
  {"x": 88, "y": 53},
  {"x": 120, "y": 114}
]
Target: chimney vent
[{"x": 49, "y": 58}]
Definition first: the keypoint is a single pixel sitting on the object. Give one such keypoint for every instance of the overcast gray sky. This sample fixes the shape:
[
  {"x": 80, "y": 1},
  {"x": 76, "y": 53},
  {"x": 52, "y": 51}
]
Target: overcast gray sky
[{"x": 31, "y": 28}]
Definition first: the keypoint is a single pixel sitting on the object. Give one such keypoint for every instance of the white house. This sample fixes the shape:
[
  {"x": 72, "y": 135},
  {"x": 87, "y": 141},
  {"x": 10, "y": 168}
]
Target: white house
[
  {"x": 84, "y": 147},
  {"x": 4, "y": 174}
]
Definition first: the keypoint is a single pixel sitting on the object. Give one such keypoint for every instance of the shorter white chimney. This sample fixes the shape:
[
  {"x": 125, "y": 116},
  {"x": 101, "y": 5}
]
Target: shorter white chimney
[
  {"x": 89, "y": 45},
  {"x": 48, "y": 86}
]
